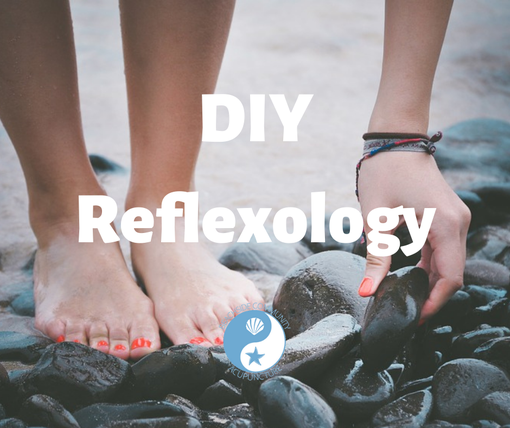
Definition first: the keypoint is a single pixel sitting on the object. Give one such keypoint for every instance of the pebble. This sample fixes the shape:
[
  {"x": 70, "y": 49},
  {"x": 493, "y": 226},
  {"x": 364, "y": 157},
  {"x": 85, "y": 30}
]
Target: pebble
[
  {"x": 220, "y": 394},
  {"x": 12, "y": 423},
  {"x": 483, "y": 295},
  {"x": 487, "y": 243},
  {"x": 41, "y": 410},
  {"x": 77, "y": 375},
  {"x": 392, "y": 316},
  {"x": 170, "y": 422},
  {"x": 484, "y": 423},
  {"x": 460, "y": 383},
  {"x": 494, "y": 313},
  {"x": 355, "y": 392},
  {"x": 321, "y": 285},
  {"x": 21, "y": 347},
  {"x": 105, "y": 414},
  {"x": 495, "y": 351},
  {"x": 5, "y": 384},
  {"x": 272, "y": 257},
  {"x": 102, "y": 165},
  {"x": 466, "y": 343},
  {"x": 185, "y": 370},
  {"x": 415, "y": 385},
  {"x": 411, "y": 410},
  {"x": 455, "y": 311},
  {"x": 287, "y": 402},
  {"x": 485, "y": 272},
  {"x": 24, "y": 304},
  {"x": 496, "y": 196},
  {"x": 495, "y": 406}
]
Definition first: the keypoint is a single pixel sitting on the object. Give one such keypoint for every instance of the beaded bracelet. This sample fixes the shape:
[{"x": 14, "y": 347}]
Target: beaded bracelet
[{"x": 379, "y": 142}]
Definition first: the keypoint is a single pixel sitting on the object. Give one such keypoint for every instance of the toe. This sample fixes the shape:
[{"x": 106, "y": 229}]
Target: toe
[
  {"x": 99, "y": 337},
  {"x": 119, "y": 342},
  {"x": 55, "y": 329},
  {"x": 209, "y": 324},
  {"x": 75, "y": 332},
  {"x": 184, "y": 330},
  {"x": 143, "y": 338}
]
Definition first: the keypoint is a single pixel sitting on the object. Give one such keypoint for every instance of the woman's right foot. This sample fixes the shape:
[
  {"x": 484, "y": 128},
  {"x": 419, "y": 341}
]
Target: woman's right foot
[{"x": 84, "y": 293}]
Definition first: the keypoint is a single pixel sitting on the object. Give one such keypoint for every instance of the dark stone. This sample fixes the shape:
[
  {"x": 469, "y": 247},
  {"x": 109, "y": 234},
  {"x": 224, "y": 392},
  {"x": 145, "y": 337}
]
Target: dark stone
[
  {"x": 241, "y": 423},
  {"x": 484, "y": 423},
  {"x": 272, "y": 257},
  {"x": 485, "y": 272},
  {"x": 455, "y": 311},
  {"x": 354, "y": 392},
  {"x": 495, "y": 406},
  {"x": 459, "y": 384},
  {"x": 415, "y": 385},
  {"x": 224, "y": 366},
  {"x": 504, "y": 257},
  {"x": 5, "y": 385},
  {"x": 104, "y": 414},
  {"x": 186, "y": 405},
  {"x": 466, "y": 343},
  {"x": 395, "y": 371},
  {"x": 185, "y": 370},
  {"x": 495, "y": 351},
  {"x": 41, "y": 410},
  {"x": 411, "y": 410},
  {"x": 286, "y": 402},
  {"x": 440, "y": 339},
  {"x": 483, "y": 295},
  {"x": 399, "y": 259},
  {"x": 3, "y": 415},
  {"x": 329, "y": 243},
  {"x": 321, "y": 285},
  {"x": 487, "y": 243},
  {"x": 392, "y": 316},
  {"x": 21, "y": 347},
  {"x": 480, "y": 146},
  {"x": 77, "y": 375},
  {"x": 480, "y": 213},
  {"x": 220, "y": 394},
  {"x": 243, "y": 411},
  {"x": 170, "y": 422},
  {"x": 439, "y": 424},
  {"x": 102, "y": 165},
  {"x": 24, "y": 304},
  {"x": 12, "y": 423},
  {"x": 308, "y": 355},
  {"x": 494, "y": 313},
  {"x": 495, "y": 196}
]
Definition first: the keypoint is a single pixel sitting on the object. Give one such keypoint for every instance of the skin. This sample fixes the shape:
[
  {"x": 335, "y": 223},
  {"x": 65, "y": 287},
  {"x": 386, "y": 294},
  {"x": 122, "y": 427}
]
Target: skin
[{"x": 403, "y": 103}]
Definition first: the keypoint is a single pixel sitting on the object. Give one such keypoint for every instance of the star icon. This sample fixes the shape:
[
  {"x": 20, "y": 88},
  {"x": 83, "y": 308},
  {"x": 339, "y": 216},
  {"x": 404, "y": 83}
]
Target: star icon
[{"x": 255, "y": 356}]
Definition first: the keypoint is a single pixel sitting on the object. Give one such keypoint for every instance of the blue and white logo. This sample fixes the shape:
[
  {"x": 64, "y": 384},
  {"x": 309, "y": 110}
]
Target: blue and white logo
[{"x": 254, "y": 341}]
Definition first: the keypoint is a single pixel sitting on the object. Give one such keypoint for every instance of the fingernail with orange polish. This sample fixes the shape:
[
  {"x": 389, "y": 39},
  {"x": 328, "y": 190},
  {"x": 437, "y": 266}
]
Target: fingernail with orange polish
[
  {"x": 141, "y": 343},
  {"x": 365, "y": 289},
  {"x": 120, "y": 347},
  {"x": 76, "y": 341},
  {"x": 197, "y": 340},
  {"x": 61, "y": 338},
  {"x": 102, "y": 343},
  {"x": 218, "y": 341}
]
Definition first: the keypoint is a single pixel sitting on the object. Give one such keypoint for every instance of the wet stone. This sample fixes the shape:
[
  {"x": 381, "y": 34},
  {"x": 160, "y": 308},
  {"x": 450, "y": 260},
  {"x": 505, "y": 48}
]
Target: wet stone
[
  {"x": 484, "y": 272},
  {"x": 186, "y": 405},
  {"x": 495, "y": 406},
  {"x": 224, "y": 366},
  {"x": 77, "y": 375},
  {"x": 3, "y": 415},
  {"x": 487, "y": 243},
  {"x": 220, "y": 394},
  {"x": 12, "y": 423},
  {"x": 484, "y": 423},
  {"x": 272, "y": 257},
  {"x": 480, "y": 213},
  {"x": 44, "y": 411},
  {"x": 5, "y": 385},
  {"x": 411, "y": 410},
  {"x": 287, "y": 402},
  {"x": 102, "y": 165},
  {"x": 308, "y": 355},
  {"x": 483, "y": 295},
  {"x": 395, "y": 371},
  {"x": 170, "y": 422},
  {"x": 321, "y": 285},
  {"x": 494, "y": 313},
  {"x": 495, "y": 196},
  {"x": 21, "y": 347},
  {"x": 455, "y": 311},
  {"x": 459, "y": 384},
  {"x": 415, "y": 385},
  {"x": 354, "y": 392},
  {"x": 392, "y": 316},
  {"x": 329, "y": 243},
  {"x": 495, "y": 351},
  {"x": 105, "y": 414},
  {"x": 185, "y": 370},
  {"x": 466, "y": 343},
  {"x": 24, "y": 304}
]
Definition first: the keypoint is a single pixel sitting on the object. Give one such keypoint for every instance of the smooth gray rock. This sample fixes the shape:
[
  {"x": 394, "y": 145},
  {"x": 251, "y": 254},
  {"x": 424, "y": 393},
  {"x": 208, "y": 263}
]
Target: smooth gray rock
[
  {"x": 411, "y": 410},
  {"x": 485, "y": 272},
  {"x": 42, "y": 410},
  {"x": 495, "y": 406}
]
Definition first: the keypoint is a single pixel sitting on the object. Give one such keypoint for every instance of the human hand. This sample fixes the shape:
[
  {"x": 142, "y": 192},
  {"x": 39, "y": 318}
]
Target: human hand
[{"x": 413, "y": 180}]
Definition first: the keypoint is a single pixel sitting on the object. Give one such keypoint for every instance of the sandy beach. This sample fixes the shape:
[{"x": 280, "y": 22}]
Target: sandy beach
[{"x": 330, "y": 49}]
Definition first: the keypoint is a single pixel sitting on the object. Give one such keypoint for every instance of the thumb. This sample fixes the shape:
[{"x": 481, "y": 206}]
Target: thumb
[{"x": 376, "y": 269}]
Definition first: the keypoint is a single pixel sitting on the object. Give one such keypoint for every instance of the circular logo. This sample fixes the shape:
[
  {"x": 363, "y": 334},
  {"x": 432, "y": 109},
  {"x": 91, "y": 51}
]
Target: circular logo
[{"x": 254, "y": 341}]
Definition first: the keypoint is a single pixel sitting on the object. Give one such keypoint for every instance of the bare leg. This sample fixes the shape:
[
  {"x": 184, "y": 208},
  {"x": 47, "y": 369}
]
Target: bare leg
[
  {"x": 173, "y": 51},
  {"x": 414, "y": 34},
  {"x": 83, "y": 292}
]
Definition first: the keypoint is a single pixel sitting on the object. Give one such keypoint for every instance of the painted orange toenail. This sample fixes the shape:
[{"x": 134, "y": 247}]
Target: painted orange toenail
[
  {"x": 218, "y": 341},
  {"x": 141, "y": 343},
  {"x": 61, "y": 338},
  {"x": 76, "y": 341},
  {"x": 102, "y": 343},
  {"x": 120, "y": 347},
  {"x": 197, "y": 340}
]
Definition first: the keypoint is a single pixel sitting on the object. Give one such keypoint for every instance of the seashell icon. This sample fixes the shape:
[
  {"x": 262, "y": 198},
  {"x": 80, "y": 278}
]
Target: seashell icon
[{"x": 254, "y": 325}]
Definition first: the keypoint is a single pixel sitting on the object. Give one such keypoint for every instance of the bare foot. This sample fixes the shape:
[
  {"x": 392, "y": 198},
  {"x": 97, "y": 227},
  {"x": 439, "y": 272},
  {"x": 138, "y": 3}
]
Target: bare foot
[
  {"x": 192, "y": 292},
  {"x": 85, "y": 293}
]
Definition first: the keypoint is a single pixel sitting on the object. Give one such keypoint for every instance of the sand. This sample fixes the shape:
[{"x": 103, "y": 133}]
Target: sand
[{"x": 327, "y": 48}]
